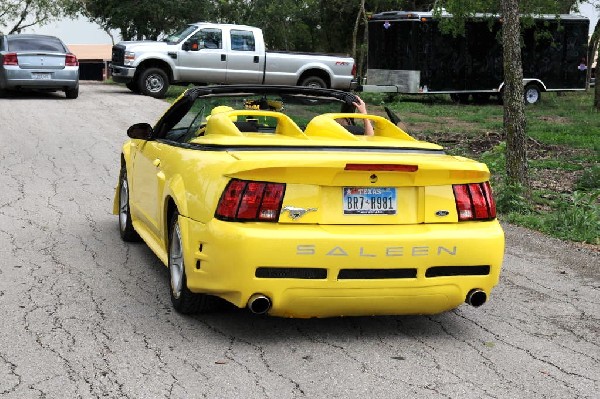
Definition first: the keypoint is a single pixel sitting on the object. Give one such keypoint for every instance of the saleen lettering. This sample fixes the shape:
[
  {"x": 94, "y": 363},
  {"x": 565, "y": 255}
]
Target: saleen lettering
[{"x": 424, "y": 250}]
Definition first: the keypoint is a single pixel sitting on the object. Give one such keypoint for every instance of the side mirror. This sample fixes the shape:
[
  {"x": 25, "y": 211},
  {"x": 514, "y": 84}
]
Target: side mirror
[
  {"x": 191, "y": 45},
  {"x": 142, "y": 131}
]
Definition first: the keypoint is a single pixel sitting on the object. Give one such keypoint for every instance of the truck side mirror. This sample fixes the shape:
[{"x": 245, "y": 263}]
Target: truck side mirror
[
  {"x": 191, "y": 45},
  {"x": 142, "y": 131}
]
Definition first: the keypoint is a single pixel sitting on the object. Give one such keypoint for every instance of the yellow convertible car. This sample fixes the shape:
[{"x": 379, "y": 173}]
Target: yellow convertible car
[{"x": 273, "y": 198}]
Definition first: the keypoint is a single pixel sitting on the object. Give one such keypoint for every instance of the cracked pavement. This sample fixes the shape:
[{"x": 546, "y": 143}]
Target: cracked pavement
[{"x": 84, "y": 315}]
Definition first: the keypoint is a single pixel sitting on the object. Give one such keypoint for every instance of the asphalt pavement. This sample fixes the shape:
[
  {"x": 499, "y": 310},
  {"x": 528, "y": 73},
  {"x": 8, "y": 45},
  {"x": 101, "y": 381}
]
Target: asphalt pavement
[{"x": 85, "y": 315}]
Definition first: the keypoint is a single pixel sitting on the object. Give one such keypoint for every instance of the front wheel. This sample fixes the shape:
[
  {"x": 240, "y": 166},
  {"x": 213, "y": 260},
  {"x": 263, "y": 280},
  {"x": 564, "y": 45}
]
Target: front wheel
[
  {"x": 183, "y": 300},
  {"x": 153, "y": 82},
  {"x": 133, "y": 86},
  {"x": 125, "y": 226},
  {"x": 532, "y": 94}
]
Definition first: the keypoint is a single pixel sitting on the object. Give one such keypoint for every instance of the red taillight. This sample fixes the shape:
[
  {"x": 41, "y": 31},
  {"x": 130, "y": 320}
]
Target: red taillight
[
  {"x": 248, "y": 200},
  {"x": 474, "y": 201},
  {"x": 71, "y": 60},
  {"x": 381, "y": 167},
  {"x": 354, "y": 69},
  {"x": 10, "y": 59}
]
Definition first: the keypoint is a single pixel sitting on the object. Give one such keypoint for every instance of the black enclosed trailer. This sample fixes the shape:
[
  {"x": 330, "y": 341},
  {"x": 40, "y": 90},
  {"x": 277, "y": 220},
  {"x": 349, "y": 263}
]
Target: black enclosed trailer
[{"x": 408, "y": 53}]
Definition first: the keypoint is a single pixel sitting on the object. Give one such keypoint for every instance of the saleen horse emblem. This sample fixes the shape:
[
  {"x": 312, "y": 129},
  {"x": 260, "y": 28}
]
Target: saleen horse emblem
[{"x": 296, "y": 213}]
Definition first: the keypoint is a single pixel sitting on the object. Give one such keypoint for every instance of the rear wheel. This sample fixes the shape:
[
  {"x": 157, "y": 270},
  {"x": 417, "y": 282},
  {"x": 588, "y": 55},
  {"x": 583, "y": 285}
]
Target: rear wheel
[
  {"x": 72, "y": 93},
  {"x": 153, "y": 82},
  {"x": 532, "y": 94},
  {"x": 314, "y": 82},
  {"x": 183, "y": 300},
  {"x": 481, "y": 98},
  {"x": 461, "y": 98}
]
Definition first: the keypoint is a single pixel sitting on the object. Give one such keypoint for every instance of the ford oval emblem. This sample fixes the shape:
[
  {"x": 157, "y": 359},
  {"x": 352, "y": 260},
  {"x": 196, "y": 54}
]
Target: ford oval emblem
[{"x": 442, "y": 213}]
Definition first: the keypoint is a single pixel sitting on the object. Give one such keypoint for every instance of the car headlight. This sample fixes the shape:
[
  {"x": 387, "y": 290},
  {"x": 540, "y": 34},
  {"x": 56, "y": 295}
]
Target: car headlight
[{"x": 129, "y": 57}]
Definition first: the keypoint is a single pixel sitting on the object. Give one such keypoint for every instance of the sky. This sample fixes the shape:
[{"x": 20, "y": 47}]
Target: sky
[{"x": 81, "y": 31}]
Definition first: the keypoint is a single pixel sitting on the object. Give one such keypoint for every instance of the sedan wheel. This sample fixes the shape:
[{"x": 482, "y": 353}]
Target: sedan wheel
[
  {"x": 176, "y": 263},
  {"x": 126, "y": 229},
  {"x": 183, "y": 300}
]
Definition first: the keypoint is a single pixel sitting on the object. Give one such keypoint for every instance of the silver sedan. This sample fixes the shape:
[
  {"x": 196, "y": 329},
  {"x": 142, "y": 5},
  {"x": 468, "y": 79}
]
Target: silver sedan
[{"x": 37, "y": 62}]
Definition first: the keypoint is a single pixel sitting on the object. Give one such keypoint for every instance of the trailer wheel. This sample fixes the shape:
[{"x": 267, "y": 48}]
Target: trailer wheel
[
  {"x": 462, "y": 98},
  {"x": 481, "y": 98},
  {"x": 532, "y": 94}
]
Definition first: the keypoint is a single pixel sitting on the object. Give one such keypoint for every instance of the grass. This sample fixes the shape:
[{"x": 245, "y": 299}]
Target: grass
[{"x": 563, "y": 152}]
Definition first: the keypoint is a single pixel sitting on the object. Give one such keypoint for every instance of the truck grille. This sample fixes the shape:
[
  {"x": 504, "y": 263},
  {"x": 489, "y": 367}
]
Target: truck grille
[{"x": 118, "y": 55}]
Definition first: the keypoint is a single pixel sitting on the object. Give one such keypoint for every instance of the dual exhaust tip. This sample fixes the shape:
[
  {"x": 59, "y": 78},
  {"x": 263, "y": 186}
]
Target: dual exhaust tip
[
  {"x": 261, "y": 304},
  {"x": 476, "y": 297}
]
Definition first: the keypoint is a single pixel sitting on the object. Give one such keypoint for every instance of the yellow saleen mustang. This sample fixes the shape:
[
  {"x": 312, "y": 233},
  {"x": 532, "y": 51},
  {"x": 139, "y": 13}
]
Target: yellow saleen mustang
[{"x": 270, "y": 197}]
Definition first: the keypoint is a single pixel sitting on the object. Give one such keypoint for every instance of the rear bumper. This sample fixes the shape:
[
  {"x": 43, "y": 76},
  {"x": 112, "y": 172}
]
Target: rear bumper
[
  {"x": 59, "y": 79},
  {"x": 351, "y": 263}
]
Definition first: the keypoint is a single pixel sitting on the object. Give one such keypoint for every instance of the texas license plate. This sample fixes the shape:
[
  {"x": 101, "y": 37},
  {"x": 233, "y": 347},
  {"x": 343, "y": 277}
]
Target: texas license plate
[
  {"x": 41, "y": 76},
  {"x": 370, "y": 201}
]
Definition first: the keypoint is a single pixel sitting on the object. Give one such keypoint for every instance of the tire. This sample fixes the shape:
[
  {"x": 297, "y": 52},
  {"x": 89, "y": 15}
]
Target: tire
[
  {"x": 532, "y": 94},
  {"x": 481, "y": 98},
  {"x": 153, "y": 82},
  {"x": 461, "y": 98},
  {"x": 314, "y": 82},
  {"x": 133, "y": 86},
  {"x": 72, "y": 93},
  {"x": 184, "y": 301},
  {"x": 126, "y": 229}
]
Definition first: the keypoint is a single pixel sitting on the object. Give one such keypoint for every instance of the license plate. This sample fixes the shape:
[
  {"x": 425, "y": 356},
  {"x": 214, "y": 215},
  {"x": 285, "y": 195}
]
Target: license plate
[
  {"x": 370, "y": 201},
  {"x": 41, "y": 76}
]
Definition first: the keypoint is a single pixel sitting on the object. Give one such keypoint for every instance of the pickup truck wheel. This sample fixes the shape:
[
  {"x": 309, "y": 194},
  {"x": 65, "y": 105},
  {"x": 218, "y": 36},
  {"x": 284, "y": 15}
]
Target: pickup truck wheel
[
  {"x": 314, "y": 82},
  {"x": 153, "y": 82},
  {"x": 133, "y": 86}
]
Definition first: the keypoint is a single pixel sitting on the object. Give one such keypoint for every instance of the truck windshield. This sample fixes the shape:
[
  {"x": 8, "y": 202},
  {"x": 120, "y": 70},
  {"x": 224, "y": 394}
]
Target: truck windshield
[{"x": 180, "y": 35}]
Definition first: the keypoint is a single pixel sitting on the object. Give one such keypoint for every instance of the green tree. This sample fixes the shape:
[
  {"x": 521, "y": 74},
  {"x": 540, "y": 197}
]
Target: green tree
[
  {"x": 514, "y": 13},
  {"x": 16, "y": 15},
  {"x": 142, "y": 19}
]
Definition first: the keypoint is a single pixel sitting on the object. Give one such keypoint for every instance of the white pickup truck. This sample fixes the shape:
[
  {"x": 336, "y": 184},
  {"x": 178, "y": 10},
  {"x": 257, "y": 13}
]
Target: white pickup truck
[{"x": 209, "y": 53}]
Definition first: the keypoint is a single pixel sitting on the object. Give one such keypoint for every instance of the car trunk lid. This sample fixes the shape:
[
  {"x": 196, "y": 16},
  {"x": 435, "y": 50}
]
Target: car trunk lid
[{"x": 384, "y": 187}]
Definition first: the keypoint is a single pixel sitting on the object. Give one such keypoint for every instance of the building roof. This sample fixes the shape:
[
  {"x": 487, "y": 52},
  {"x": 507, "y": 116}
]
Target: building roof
[{"x": 91, "y": 51}]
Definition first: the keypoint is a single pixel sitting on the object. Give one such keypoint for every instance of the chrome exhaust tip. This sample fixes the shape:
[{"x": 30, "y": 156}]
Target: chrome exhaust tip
[
  {"x": 476, "y": 297},
  {"x": 259, "y": 304}
]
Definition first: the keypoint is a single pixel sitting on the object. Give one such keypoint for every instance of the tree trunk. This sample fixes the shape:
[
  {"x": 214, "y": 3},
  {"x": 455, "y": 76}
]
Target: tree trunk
[
  {"x": 514, "y": 112},
  {"x": 594, "y": 49}
]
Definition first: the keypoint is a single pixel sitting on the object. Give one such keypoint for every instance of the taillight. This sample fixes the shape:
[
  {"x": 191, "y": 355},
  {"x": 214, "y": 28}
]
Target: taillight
[
  {"x": 71, "y": 60},
  {"x": 10, "y": 59},
  {"x": 250, "y": 201},
  {"x": 354, "y": 69},
  {"x": 474, "y": 201}
]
